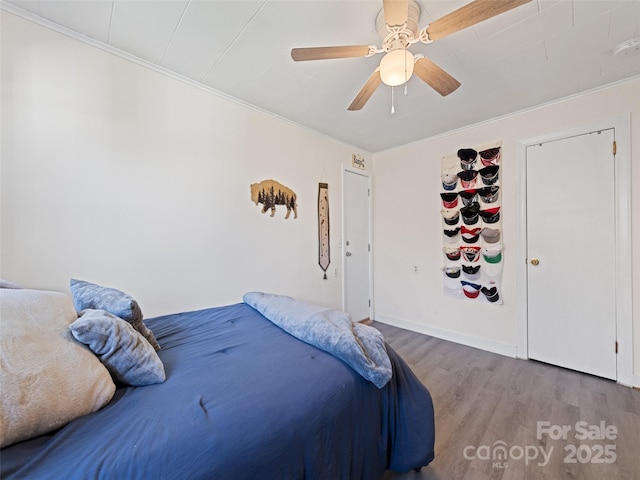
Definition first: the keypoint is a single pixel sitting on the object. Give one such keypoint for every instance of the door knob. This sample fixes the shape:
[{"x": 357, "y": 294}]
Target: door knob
[
  {"x": 348, "y": 254},
  {"x": 535, "y": 261}
]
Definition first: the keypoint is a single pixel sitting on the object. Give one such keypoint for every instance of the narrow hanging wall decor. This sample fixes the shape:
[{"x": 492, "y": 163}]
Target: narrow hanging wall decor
[
  {"x": 324, "y": 253},
  {"x": 270, "y": 193},
  {"x": 470, "y": 203}
]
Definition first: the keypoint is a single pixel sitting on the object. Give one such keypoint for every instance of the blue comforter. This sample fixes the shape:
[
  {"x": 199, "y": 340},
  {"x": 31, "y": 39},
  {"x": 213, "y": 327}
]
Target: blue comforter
[{"x": 243, "y": 399}]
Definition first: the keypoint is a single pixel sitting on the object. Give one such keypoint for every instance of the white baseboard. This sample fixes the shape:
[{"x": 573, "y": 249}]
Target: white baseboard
[
  {"x": 628, "y": 380},
  {"x": 451, "y": 336}
]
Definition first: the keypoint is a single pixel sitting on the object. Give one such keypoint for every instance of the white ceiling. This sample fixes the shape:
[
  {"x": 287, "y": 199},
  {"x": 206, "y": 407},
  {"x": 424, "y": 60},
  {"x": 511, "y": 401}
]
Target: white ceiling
[{"x": 539, "y": 52}]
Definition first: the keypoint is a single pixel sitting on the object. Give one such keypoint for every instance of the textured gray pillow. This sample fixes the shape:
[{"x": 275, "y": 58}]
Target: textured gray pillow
[
  {"x": 125, "y": 352},
  {"x": 89, "y": 295}
]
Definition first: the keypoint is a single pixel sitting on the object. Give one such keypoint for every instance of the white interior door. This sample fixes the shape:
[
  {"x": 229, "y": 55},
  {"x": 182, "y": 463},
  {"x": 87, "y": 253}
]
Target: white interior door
[
  {"x": 356, "y": 245},
  {"x": 571, "y": 253}
]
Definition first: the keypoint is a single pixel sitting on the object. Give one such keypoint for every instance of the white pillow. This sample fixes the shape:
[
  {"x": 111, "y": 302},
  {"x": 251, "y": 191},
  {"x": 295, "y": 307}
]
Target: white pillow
[{"x": 47, "y": 378}]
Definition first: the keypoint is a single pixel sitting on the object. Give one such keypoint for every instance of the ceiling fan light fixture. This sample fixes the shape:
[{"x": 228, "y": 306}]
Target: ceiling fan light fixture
[{"x": 396, "y": 67}]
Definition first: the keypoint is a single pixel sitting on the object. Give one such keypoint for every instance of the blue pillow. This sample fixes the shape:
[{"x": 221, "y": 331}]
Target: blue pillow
[
  {"x": 127, "y": 355},
  {"x": 89, "y": 295}
]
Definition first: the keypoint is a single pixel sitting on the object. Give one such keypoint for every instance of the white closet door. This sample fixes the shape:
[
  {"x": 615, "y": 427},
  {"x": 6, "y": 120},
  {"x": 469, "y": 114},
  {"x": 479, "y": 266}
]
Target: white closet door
[
  {"x": 356, "y": 245},
  {"x": 571, "y": 253}
]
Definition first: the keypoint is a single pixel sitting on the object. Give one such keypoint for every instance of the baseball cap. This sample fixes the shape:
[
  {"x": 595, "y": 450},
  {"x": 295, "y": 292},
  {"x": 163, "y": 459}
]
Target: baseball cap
[
  {"x": 467, "y": 158},
  {"x": 452, "y": 236},
  {"x": 468, "y": 178},
  {"x": 488, "y": 194},
  {"x": 470, "y": 235},
  {"x": 471, "y": 272},
  {"x": 492, "y": 254},
  {"x": 450, "y": 217},
  {"x": 490, "y": 235},
  {"x": 468, "y": 196},
  {"x": 471, "y": 290},
  {"x": 449, "y": 181},
  {"x": 452, "y": 253},
  {"x": 470, "y": 253},
  {"x": 470, "y": 213},
  {"x": 490, "y": 215},
  {"x": 490, "y": 156},
  {"x": 491, "y": 293},
  {"x": 489, "y": 175},
  {"x": 452, "y": 272},
  {"x": 449, "y": 199}
]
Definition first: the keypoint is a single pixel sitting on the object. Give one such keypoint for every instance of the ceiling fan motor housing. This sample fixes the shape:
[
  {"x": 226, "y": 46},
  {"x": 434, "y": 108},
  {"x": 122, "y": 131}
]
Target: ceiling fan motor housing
[{"x": 398, "y": 36}]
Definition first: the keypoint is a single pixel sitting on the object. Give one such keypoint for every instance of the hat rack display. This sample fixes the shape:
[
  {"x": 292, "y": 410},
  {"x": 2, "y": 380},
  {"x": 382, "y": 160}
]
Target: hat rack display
[{"x": 470, "y": 205}]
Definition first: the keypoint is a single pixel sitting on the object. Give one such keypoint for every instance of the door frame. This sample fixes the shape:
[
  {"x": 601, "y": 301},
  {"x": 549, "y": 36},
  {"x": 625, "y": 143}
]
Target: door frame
[
  {"x": 623, "y": 259},
  {"x": 346, "y": 169}
]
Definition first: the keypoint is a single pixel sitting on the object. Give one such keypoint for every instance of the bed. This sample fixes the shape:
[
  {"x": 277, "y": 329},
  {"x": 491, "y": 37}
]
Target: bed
[{"x": 242, "y": 399}]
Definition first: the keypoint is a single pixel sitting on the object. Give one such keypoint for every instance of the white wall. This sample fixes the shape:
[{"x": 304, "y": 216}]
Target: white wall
[
  {"x": 117, "y": 174},
  {"x": 120, "y": 175},
  {"x": 407, "y": 222}
]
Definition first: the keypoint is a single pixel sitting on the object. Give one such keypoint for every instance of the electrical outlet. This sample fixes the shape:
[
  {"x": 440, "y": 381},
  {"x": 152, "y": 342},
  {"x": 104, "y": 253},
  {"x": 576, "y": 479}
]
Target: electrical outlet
[
  {"x": 415, "y": 268},
  {"x": 335, "y": 271}
]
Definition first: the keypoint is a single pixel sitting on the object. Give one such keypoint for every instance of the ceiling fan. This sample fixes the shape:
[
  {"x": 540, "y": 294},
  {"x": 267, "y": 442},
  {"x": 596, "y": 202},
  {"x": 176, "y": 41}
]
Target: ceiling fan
[{"x": 397, "y": 25}]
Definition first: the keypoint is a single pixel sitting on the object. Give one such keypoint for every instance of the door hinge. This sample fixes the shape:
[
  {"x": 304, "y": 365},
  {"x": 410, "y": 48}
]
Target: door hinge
[
  {"x": 368, "y": 192},
  {"x": 369, "y": 303},
  {"x": 368, "y": 247},
  {"x": 615, "y": 147},
  {"x": 616, "y": 346}
]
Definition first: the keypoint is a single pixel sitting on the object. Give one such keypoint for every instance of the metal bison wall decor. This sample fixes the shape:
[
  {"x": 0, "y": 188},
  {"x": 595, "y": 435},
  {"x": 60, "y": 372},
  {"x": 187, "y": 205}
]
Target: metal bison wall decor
[{"x": 271, "y": 193}]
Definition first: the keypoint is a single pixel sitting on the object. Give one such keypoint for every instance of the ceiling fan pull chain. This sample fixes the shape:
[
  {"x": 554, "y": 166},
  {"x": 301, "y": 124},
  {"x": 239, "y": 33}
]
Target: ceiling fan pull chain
[
  {"x": 406, "y": 77},
  {"x": 393, "y": 108}
]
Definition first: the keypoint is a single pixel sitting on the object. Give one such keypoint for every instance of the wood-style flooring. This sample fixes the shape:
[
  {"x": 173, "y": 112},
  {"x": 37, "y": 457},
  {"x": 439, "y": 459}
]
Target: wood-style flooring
[{"x": 484, "y": 401}]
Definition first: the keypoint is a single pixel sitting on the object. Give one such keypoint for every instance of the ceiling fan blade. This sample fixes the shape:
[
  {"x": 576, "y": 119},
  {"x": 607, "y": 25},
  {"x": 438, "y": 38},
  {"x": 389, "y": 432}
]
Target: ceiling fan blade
[
  {"x": 366, "y": 91},
  {"x": 436, "y": 77},
  {"x": 469, "y": 15},
  {"x": 396, "y": 12},
  {"x": 324, "y": 53}
]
